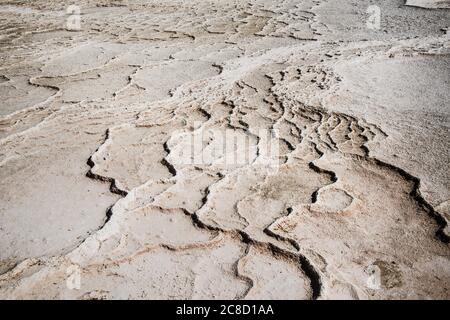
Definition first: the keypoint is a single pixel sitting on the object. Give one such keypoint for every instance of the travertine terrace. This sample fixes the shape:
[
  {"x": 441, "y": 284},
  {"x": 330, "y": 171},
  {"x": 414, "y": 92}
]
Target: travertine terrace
[{"x": 100, "y": 99}]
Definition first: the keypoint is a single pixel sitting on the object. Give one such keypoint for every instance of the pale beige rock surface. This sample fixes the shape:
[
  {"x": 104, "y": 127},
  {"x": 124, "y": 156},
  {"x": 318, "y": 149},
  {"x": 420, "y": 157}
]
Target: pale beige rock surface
[{"x": 103, "y": 195}]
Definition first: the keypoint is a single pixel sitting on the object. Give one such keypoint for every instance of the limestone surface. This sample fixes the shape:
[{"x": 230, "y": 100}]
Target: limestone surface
[{"x": 225, "y": 149}]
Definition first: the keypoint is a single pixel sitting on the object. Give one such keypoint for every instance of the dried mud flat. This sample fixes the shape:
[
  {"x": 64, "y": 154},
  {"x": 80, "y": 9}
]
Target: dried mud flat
[{"x": 96, "y": 202}]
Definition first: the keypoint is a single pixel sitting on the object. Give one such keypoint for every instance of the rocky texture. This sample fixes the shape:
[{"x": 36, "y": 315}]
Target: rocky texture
[{"x": 99, "y": 199}]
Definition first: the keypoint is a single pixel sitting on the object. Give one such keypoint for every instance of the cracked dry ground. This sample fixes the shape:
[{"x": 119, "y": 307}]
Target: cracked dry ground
[{"x": 92, "y": 123}]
